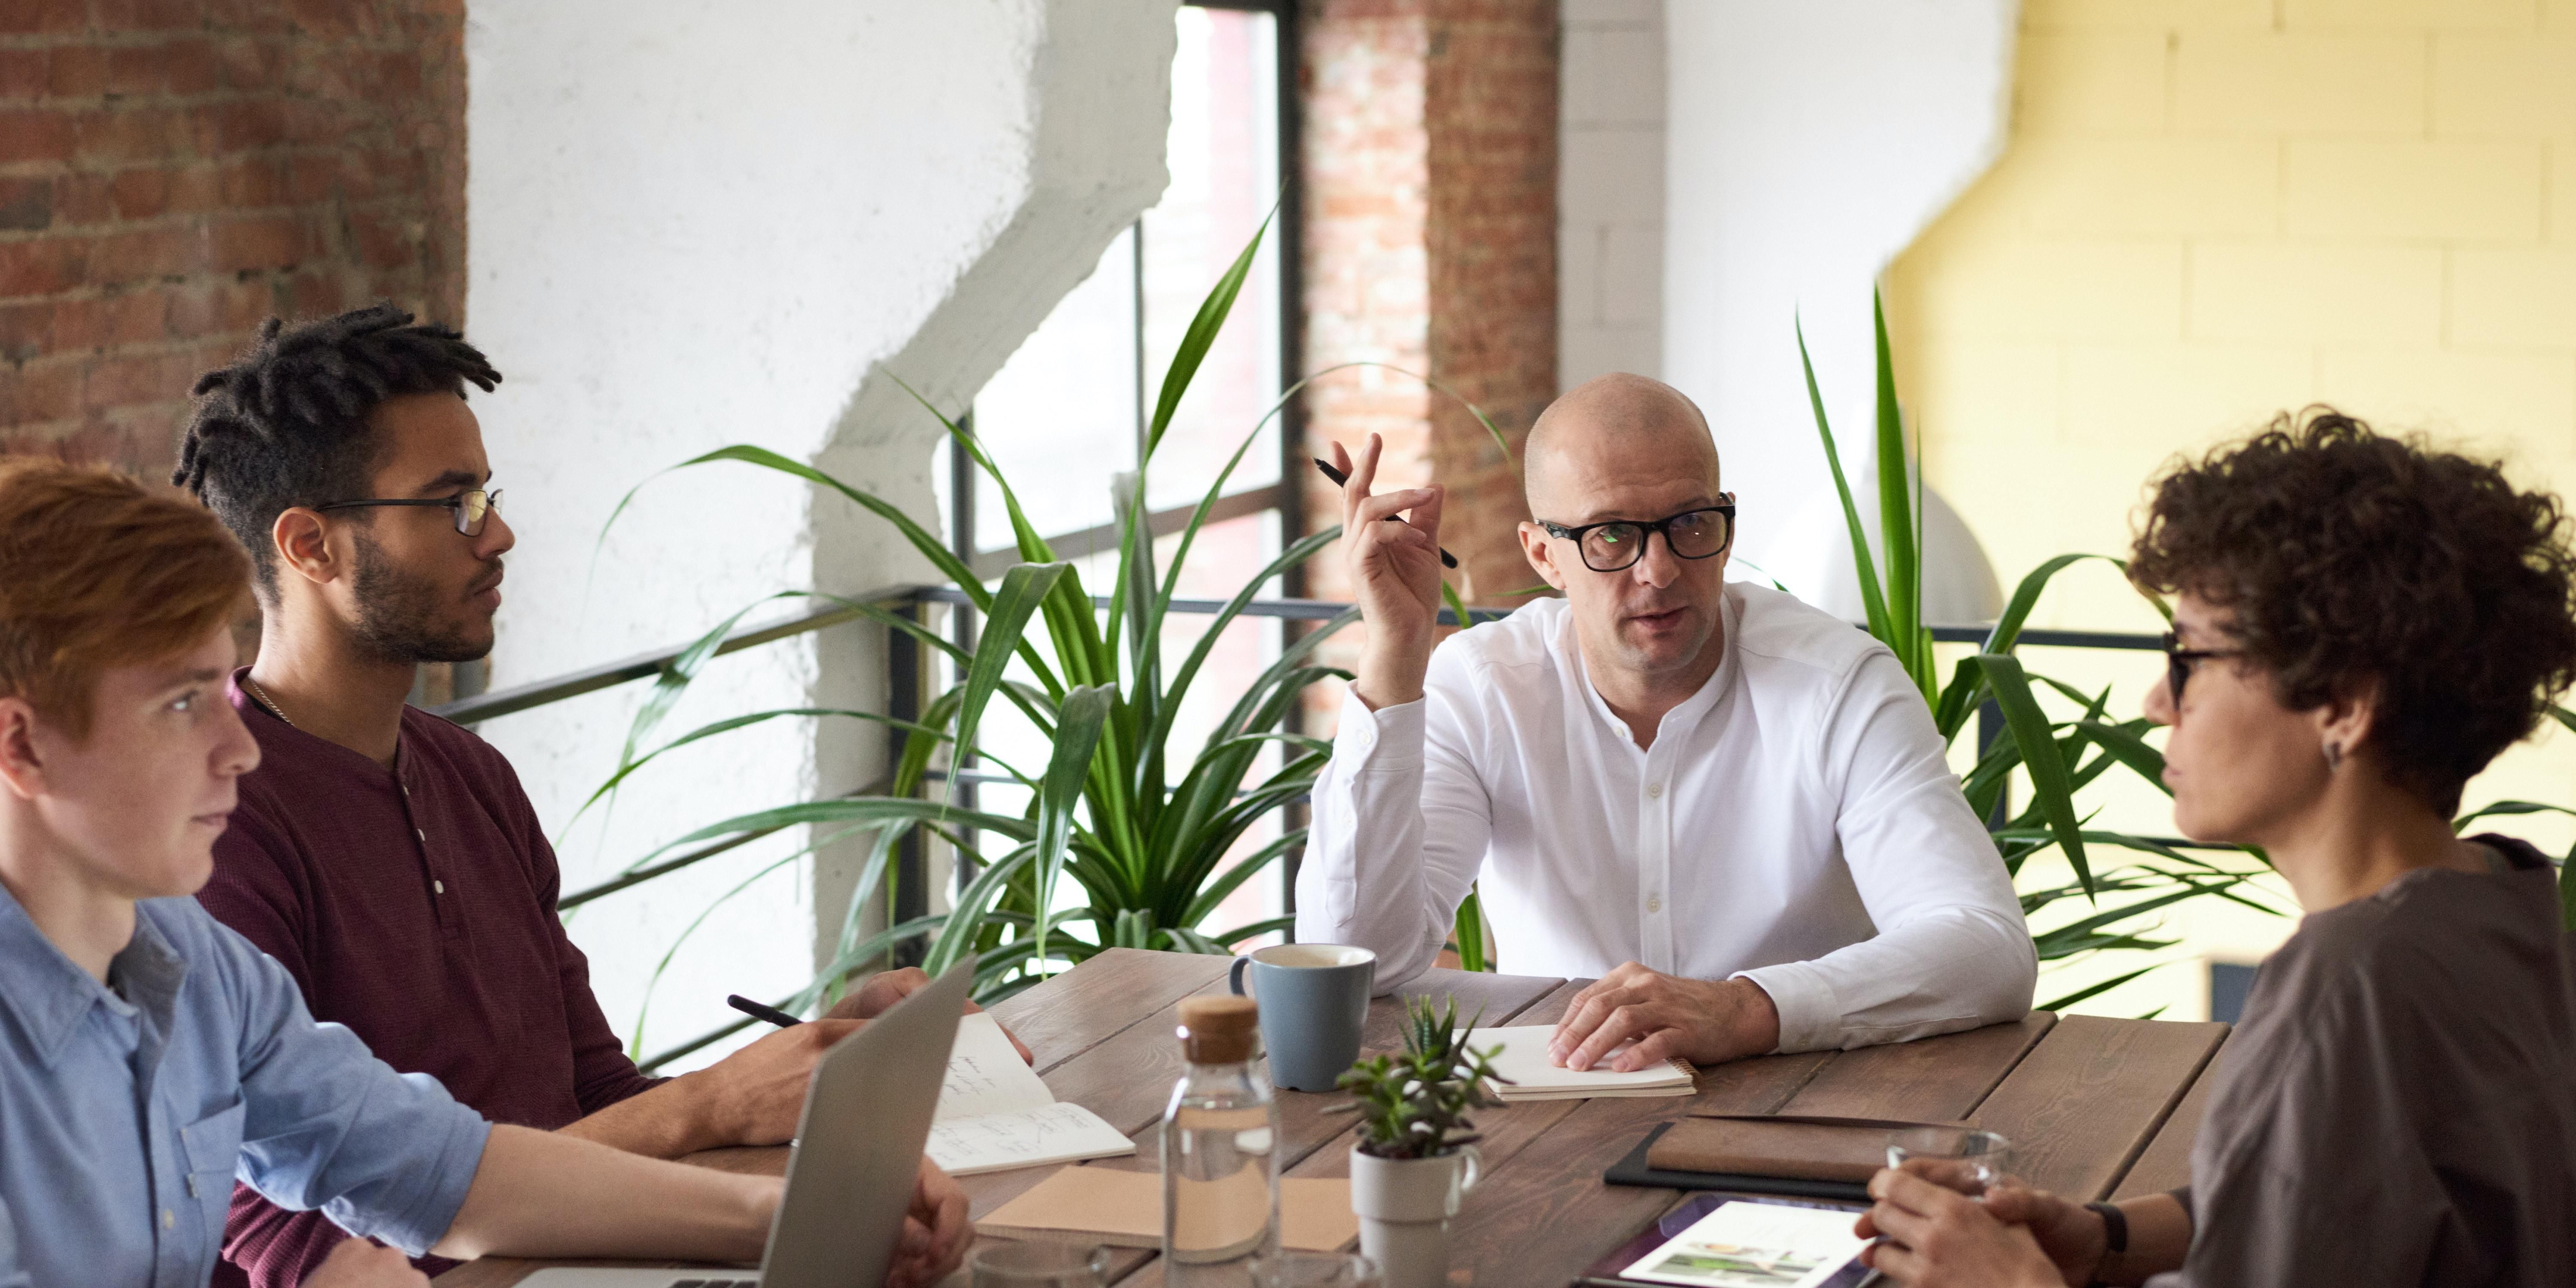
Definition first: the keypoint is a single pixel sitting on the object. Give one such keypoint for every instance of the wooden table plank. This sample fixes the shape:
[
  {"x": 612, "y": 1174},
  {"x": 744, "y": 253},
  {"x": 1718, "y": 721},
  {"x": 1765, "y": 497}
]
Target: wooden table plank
[
  {"x": 1934, "y": 1079},
  {"x": 1088, "y": 1005},
  {"x": 2086, "y": 1100},
  {"x": 2166, "y": 1163}
]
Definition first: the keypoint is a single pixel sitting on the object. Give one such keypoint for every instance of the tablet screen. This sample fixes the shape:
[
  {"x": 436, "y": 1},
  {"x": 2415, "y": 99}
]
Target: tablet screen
[{"x": 1753, "y": 1243}]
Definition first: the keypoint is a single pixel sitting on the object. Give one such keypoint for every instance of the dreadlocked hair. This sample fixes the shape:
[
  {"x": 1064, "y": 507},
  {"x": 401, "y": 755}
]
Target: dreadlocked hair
[{"x": 286, "y": 425}]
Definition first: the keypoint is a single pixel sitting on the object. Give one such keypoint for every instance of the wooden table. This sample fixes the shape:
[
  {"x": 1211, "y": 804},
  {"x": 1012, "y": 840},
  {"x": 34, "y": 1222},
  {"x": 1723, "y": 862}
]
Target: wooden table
[{"x": 2095, "y": 1107}]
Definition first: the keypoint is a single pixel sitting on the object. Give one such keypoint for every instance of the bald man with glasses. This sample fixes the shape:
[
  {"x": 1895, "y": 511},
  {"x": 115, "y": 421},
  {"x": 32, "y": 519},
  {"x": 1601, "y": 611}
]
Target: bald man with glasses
[{"x": 1729, "y": 807}]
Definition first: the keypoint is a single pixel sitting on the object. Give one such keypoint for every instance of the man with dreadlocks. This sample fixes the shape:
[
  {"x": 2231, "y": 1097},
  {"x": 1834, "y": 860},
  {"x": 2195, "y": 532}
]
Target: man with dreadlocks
[{"x": 388, "y": 858}]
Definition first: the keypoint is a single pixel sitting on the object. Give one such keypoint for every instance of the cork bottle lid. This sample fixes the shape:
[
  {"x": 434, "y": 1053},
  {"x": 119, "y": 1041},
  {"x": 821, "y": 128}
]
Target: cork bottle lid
[{"x": 1218, "y": 1030}]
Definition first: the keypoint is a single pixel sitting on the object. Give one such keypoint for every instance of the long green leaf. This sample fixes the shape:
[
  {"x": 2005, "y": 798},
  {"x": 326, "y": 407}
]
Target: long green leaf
[
  {"x": 863, "y": 809},
  {"x": 930, "y": 546},
  {"x": 1024, "y": 588},
  {"x": 1873, "y": 601},
  {"x": 2006, "y": 635},
  {"x": 2131, "y": 750},
  {"x": 1078, "y": 723},
  {"x": 2050, "y": 786},
  {"x": 1896, "y": 518},
  {"x": 1200, "y": 336},
  {"x": 2061, "y": 1003}
]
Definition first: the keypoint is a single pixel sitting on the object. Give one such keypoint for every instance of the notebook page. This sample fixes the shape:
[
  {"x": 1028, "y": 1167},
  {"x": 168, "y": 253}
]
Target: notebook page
[
  {"x": 1057, "y": 1133},
  {"x": 985, "y": 1076},
  {"x": 1524, "y": 1060}
]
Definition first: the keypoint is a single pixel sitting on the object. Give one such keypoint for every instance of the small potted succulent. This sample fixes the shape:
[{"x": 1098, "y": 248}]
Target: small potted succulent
[{"x": 1416, "y": 1155}]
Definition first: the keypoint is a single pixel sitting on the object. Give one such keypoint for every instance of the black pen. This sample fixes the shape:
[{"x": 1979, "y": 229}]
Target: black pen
[
  {"x": 1447, "y": 560},
  {"x": 754, "y": 1009}
]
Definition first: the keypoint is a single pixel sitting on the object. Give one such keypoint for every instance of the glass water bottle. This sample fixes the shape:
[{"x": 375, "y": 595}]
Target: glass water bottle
[{"x": 1220, "y": 1161}]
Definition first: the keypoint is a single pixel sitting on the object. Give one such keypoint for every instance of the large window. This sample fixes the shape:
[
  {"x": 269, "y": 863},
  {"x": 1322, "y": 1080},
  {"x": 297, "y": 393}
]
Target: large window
[{"x": 1064, "y": 419}]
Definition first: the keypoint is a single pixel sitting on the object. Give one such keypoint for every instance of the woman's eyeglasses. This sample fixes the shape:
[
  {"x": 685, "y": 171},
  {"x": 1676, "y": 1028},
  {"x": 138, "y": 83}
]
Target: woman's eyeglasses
[
  {"x": 1692, "y": 534},
  {"x": 472, "y": 508},
  {"x": 2180, "y": 661}
]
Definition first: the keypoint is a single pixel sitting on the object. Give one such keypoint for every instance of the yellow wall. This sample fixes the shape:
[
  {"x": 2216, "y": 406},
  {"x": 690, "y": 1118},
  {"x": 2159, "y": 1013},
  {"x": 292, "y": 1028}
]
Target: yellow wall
[{"x": 2212, "y": 210}]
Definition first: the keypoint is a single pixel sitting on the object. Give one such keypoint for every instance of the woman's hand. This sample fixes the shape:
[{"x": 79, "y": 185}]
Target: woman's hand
[
  {"x": 2070, "y": 1233},
  {"x": 1936, "y": 1237}
]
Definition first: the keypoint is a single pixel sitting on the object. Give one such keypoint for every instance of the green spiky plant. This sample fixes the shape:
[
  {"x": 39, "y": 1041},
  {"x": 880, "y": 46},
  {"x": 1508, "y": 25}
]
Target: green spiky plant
[
  {"x": 1415, "y": 1105},
  {"x": 2072, "y": 752},
  {"x": 1149, "y": 832}
]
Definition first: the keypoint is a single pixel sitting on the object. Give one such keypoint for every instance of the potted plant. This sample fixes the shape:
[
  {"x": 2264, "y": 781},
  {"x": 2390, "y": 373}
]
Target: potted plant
[{"x": 1416, "y": 1154}]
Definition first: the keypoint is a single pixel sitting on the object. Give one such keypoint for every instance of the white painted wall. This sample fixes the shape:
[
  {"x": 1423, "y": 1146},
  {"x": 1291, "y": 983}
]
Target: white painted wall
[
  {"x": 692, "y": 224},
  {"x": 1610, "y": 189},
  {"x": 1807, "y": 144}
]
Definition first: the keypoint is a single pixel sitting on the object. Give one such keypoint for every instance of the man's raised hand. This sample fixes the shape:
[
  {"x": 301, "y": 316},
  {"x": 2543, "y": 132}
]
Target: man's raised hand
[{"x": 1395, "y": 575}]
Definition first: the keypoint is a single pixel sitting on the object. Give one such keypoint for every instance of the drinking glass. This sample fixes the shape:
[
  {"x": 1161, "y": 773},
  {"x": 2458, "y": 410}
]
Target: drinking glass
[
  {"x": 1314, "y": 1270},
  {"x": 1008, "y": 1263},
  {"x": 1966, "y": 1159}
]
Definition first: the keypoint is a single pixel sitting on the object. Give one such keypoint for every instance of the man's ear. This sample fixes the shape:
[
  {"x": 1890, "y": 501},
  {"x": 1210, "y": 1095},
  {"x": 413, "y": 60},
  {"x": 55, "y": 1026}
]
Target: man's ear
[
  {"x": 303, "y": 544},
  {"x": 1542, "y": 556},
  {"x": 22, "y": 771}
]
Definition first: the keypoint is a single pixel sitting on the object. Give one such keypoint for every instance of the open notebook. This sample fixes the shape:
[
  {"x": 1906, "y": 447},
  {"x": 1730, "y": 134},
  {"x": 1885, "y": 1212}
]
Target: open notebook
[
  {"x": 1534, "y": 1077},
  {"x": 995, "y": 1115}
]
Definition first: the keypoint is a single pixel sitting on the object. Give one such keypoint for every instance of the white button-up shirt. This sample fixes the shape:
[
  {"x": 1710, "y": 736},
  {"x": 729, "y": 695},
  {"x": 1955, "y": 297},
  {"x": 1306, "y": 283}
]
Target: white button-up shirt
[{"x": 1794, "y": 822}]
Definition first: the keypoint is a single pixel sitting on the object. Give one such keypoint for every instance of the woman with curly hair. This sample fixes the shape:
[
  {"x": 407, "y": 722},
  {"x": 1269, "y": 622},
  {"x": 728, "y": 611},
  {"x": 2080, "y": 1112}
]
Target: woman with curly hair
[{"x": 2360, "y": 624}]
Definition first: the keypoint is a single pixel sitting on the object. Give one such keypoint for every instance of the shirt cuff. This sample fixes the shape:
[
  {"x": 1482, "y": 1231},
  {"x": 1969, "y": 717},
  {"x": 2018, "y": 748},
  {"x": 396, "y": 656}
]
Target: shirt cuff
[
  {"x": 427, "y": 1218},
  {"x": 1376, "y": 741},
  {"x": 1810, "y": 1019}
]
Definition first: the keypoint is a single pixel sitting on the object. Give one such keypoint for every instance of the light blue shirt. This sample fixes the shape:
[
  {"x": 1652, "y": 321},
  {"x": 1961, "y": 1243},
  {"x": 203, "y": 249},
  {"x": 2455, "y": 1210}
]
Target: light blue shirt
[{"x": 125, "y": 1119}]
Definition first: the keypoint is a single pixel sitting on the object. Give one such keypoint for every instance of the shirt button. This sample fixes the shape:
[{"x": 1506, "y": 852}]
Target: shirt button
[
  {"x": 1654, "y": 903},
  {"x": 423, "y": 836},
  {"x": 438, "y": 887},
  {"x": 167, "y": 1220},
  {"x": 1654, "y": 789}
]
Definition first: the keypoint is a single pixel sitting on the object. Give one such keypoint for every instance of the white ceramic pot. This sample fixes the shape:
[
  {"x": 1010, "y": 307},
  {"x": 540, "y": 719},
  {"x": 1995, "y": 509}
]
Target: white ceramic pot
[{"x": 1404, "y": 1206}]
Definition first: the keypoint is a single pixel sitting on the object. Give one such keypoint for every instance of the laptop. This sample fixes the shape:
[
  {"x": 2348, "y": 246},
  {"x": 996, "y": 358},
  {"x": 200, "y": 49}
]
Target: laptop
[{"x": 851, "y": 1173}]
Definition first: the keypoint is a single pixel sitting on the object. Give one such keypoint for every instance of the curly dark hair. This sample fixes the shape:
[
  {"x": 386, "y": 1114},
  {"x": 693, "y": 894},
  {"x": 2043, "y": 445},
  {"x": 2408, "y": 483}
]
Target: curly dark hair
[
  {"x": 286, "y": 425},
  {"x": 2350, "y": 557}
]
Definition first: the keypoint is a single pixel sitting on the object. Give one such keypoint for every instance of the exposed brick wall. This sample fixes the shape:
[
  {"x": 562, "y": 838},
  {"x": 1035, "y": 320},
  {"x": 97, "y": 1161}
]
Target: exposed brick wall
[
  {"x": 1430, "y": 230},
  {"x": 173, "y": 171}
]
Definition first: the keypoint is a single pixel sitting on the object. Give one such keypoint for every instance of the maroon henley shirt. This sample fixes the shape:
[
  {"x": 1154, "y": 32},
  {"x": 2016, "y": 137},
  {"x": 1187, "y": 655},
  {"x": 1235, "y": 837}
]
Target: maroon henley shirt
[{"x": 416, "y": 906}]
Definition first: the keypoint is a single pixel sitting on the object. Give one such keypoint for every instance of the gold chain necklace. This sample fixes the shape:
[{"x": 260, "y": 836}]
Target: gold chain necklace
[{"x": 266, "y": 701}]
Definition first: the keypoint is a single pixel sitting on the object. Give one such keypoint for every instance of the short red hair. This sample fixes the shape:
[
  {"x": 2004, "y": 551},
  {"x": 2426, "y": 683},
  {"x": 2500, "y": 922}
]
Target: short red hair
[{"x": 98, "y": 571}]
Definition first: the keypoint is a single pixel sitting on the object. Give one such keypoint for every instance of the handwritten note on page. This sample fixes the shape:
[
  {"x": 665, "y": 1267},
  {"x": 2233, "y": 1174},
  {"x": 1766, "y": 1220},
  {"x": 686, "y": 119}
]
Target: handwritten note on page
[{"x": 995, "y": 1114}]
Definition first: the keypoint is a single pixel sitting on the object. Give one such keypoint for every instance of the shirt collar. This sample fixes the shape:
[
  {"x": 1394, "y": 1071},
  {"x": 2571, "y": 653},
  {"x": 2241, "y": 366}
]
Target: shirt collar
[
  {"x": 1681, "y": 719},
  {"x": 48, "y": 994}
]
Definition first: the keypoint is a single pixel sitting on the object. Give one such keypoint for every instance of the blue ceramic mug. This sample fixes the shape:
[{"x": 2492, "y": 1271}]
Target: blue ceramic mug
[{"x": 1313, "y": 998}]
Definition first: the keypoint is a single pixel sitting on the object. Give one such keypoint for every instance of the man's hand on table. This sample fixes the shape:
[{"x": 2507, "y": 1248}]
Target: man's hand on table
[
  {"x": 1658, "y": 1016},
  {"x": 358, "y": 1263},
  {"x": 934, "y": 1231},
  {"x": 885, "y": 988},
  {"x": 1933, "y": 1236}
]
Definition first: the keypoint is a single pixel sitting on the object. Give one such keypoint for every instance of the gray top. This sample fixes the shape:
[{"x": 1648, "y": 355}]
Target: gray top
[{"x": 2396, "y": 1107}]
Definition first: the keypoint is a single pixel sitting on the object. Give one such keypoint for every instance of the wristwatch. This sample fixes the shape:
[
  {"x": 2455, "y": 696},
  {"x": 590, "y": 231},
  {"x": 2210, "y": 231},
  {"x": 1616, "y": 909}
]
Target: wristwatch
[{"x": 2115, "y": 1235}]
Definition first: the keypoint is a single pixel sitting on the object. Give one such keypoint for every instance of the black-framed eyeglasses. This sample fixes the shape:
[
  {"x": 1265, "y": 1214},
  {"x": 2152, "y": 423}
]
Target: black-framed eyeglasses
[
  {"x": 1691, "y": 534},
  {"x": 2180, "y": 661},
  {"x": 472, "y": 508}
]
